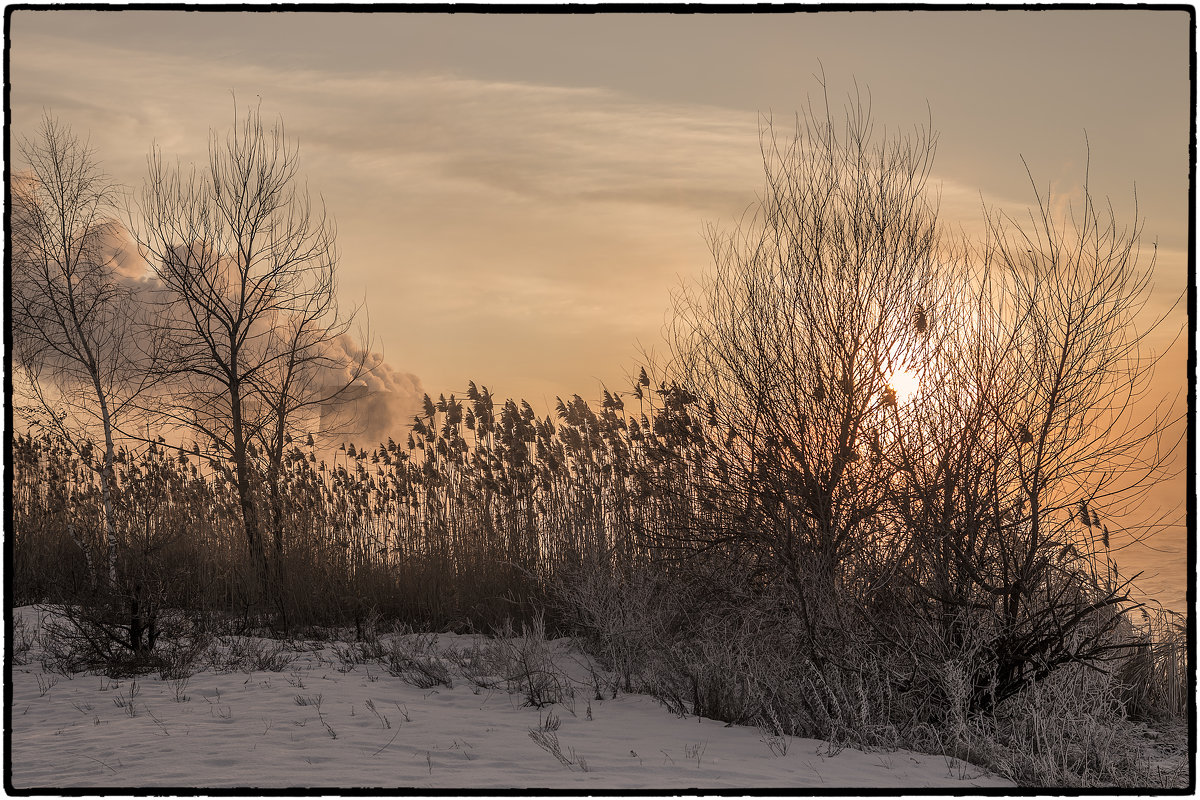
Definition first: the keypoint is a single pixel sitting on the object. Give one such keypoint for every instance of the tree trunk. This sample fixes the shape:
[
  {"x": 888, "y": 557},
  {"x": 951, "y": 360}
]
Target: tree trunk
[
  {"x": 107, "y": 481},
  {"x": 250, "y": 520}
]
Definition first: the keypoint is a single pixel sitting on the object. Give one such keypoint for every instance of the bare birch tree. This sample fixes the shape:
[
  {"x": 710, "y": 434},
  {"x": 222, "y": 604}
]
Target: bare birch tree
[{"x": 71, "y": 315}]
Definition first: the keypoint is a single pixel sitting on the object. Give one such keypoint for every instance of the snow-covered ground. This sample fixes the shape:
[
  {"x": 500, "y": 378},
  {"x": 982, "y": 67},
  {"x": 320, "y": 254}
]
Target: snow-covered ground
[{"x": 323, "y": 722}]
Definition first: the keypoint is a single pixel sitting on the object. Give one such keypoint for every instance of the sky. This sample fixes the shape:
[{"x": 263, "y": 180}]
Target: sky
[{"x": 517, "y": 196}]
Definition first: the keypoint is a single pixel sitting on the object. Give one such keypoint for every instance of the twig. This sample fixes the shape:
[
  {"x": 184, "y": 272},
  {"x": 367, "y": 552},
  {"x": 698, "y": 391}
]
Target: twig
[
  {"x": 101, "y": 763},
  {"x": 386, "y": 746}
]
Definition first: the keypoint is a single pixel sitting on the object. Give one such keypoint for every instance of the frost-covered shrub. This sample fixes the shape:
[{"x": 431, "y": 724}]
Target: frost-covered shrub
[
  {"x": 527, "y": 664},
  {"x": 1068, "y": 730},
  {"x": 622, "y": 616}
]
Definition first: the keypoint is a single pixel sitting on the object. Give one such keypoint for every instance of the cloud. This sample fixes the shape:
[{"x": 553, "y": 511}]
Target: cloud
[
  {"x": 127, "y": 262},
  {"x": 377, "y": 403},
  {"x": 374, "y": 400}
]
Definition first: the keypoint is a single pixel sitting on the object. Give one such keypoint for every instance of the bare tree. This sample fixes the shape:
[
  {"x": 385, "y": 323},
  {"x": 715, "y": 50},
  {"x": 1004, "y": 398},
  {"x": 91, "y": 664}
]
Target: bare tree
[
  {"x": 975, "y": 518},
  {"x": 71, "y": 314},
  {"x": 248, "y": 311},
  {"x": 1039, "y": 437},
  {"x": 791, "y": 340}
]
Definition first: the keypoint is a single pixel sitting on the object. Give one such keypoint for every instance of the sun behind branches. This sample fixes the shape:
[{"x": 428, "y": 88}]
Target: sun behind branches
[{"x": 905, "y": 383}]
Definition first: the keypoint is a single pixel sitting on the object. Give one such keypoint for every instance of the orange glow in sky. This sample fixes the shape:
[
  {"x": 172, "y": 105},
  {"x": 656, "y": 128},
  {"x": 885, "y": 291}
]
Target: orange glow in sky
[{"x": 518, "y": 195}]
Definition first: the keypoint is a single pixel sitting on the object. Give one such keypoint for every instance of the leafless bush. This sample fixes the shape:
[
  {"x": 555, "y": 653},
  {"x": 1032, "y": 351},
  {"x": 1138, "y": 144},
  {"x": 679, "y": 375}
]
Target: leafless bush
[
  {"x": 415, "y": 659},
  {"x": 24, "y": 637},
  {"x": 528, "y": 664},
  {"x": 178, "y": 689},
  {"x": 121, "y": 637},
  {"x": 128, "y": 703},
  {"x": 548, "y": 741},
  {"x": 45, "y": 683},
  {"x": 1069, "y": 730},
  {"x": 250, "y": 654},
  {"x": 623, "y": 615},
  {"x": 705, "y": 677},
  {"x": 183, "y": 654},
  {"x": 483, "y": 664}
]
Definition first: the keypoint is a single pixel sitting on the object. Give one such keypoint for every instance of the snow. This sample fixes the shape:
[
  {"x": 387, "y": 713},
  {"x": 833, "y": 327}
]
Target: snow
[{"x": 311, "y": 725}]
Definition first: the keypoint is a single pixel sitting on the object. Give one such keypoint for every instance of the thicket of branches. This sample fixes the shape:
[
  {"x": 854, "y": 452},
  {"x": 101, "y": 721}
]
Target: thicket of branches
[
  {"x": 940, "y": 554},
  {"x": 759, "y": 530}
]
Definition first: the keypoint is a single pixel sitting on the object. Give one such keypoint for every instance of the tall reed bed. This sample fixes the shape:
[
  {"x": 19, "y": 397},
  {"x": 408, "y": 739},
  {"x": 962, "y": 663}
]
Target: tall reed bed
[{"x": 463, "y": 524}]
